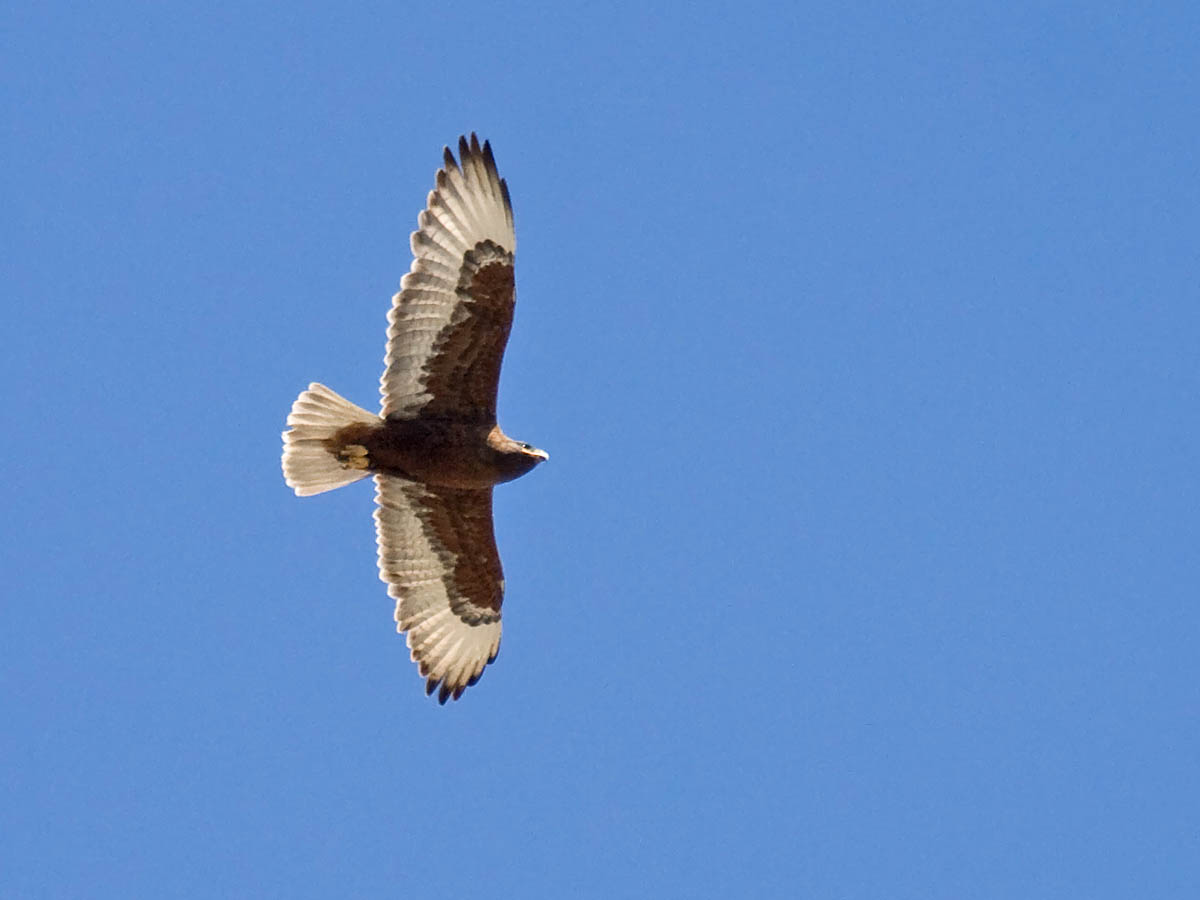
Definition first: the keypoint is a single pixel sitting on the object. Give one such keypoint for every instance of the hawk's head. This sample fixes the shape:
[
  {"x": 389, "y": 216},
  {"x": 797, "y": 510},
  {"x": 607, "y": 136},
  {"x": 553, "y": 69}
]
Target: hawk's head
[
  {"x": 513, "y": 458},
  {"x": 530, "y": 450}
]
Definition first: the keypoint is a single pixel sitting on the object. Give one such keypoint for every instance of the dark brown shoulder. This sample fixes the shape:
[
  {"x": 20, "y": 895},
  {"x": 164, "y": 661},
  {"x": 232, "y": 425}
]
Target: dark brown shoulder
[{"x": 462, "y": 373}]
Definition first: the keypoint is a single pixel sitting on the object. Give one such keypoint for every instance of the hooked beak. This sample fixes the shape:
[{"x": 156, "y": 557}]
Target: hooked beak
[{"x": 540, "y": 454}]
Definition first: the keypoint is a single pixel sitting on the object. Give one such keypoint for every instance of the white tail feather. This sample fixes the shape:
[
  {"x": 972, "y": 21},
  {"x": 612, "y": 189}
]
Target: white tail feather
[{"x": 317, "y": 415}]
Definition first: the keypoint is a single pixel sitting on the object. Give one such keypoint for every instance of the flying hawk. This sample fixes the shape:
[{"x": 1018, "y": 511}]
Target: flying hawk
[{"x": 435, "y": 449}]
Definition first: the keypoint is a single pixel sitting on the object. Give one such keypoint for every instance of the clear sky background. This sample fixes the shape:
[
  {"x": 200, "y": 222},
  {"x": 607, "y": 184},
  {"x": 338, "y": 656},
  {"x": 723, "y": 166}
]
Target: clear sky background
[{"x": 863, "y": 339}]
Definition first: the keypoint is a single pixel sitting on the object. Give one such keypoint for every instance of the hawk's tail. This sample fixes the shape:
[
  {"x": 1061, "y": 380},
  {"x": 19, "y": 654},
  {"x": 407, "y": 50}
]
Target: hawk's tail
[{"x": 309, "y": 467}]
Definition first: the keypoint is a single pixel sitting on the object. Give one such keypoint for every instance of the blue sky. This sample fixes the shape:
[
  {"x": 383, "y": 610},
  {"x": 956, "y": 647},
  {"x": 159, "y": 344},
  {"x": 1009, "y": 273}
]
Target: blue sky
[{"x": 863, "y": 339}]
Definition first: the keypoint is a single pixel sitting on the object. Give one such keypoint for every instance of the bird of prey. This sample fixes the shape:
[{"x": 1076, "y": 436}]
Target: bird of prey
[{"x": 435, "y": 449}]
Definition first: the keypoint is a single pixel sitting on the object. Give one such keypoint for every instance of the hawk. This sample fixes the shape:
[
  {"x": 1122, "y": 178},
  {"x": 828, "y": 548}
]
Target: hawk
[{"x": 435, "y": 449}]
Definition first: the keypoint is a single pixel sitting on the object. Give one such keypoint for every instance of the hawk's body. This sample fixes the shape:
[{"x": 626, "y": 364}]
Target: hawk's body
[
  {"x": 440, "y": 452},
  {"x": 435, "y": 450}
]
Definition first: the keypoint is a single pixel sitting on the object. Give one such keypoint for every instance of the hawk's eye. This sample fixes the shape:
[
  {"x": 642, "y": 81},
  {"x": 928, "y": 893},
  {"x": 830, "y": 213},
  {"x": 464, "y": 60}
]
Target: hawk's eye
[{"x": 526, "y": 447}]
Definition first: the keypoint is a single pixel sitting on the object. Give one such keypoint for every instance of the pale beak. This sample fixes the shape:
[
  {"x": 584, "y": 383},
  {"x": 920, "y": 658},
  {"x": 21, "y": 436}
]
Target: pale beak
[{"x": 540, "y": 454}]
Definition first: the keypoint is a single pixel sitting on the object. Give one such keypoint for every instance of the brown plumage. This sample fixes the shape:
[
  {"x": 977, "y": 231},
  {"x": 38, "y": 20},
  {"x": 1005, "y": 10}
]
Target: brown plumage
[{"x": 435, "y": 450}]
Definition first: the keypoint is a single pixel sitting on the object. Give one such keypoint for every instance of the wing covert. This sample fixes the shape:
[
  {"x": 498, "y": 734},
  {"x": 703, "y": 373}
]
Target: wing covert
[
  {"x": 449, "y": 323},
  {"x": 437, "y": 554}
]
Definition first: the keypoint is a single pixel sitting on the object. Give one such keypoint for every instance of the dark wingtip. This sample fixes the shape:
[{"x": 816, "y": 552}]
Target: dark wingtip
[
  {"x": 474, "y": 679},
  {"x": 488, "y": 159},
  {"x": 464, "y": 149},
  {"x": 448, "y": 159},
  {"x": 504, "y": 192}
]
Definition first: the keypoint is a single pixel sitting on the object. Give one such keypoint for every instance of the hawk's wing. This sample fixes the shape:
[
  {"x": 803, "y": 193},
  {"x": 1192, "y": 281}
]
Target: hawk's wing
[
  {"x": 448, "y": 325},
  {"x": 437, "y": 553}
]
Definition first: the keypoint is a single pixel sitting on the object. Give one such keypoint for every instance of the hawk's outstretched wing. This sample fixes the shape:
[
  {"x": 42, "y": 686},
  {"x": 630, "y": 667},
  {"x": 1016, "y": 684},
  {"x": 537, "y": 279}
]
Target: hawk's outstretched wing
[
  {"x": 448, "y": 325},
  {"x": 437, "y": 553}
]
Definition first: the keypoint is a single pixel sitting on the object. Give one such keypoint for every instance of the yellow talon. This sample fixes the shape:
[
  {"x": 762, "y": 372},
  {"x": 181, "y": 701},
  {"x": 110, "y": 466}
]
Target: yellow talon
[{"x": 354, "y": 456}]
